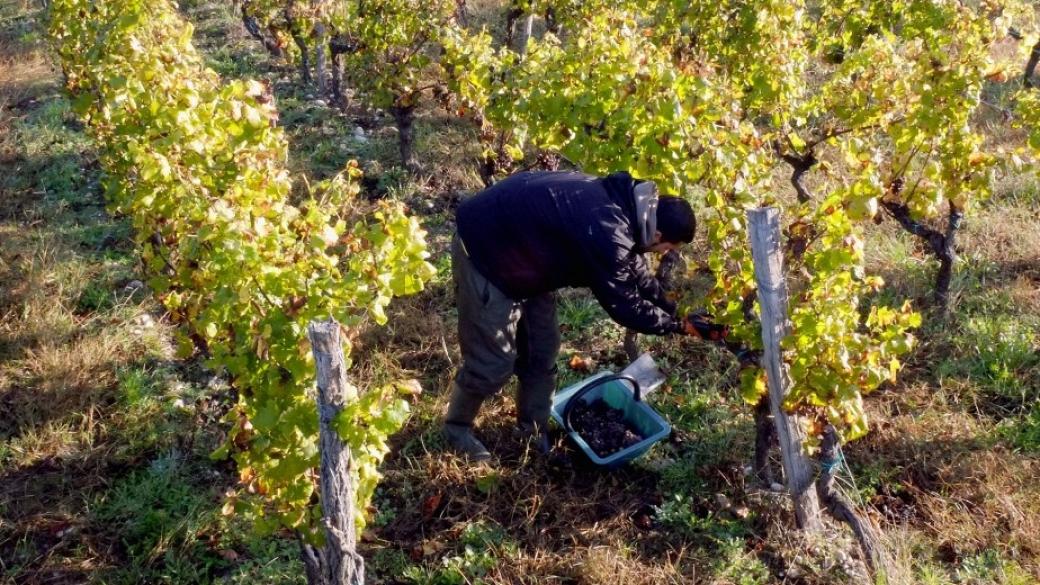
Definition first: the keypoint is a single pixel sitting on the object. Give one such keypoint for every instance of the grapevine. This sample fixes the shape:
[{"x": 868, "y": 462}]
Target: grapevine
[
  {"x": 199, "y": 167},
  {"x": 264, "y": 20},
  {"x": 710, "y": 100},
  {"x": 392, "y": 63}
]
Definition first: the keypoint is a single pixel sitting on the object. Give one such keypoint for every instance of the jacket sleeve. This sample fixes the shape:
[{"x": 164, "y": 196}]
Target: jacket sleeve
[
  {"x": 649, "y": 287},
  {"x": 618, "y": 292},
  {"x": 615, "y": 277}
]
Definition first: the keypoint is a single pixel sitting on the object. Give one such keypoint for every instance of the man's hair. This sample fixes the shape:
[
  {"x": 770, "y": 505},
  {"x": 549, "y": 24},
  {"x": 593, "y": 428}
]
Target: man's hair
[{"x": 675, "y": 220}]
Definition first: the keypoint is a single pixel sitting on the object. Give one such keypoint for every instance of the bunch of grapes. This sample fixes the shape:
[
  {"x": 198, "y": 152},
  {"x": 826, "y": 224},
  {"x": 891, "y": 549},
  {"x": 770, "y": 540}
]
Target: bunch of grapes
[{"x": 603, "y": 427}]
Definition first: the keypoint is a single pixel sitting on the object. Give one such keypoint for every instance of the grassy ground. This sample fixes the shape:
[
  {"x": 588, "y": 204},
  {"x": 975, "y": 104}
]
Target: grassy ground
[{"x": 103, "y": 437}]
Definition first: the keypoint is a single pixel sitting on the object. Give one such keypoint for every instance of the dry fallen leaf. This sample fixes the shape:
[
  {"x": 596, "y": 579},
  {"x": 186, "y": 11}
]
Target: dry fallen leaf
[
  {"x": 430, "y": 506},
  {"x": 410, "y": 386},
  {"x": 228, "y": 555},
  {"x": 579, "y": 364},
  {"x": 416, "y": 552},
  {"x": 432, "y": 547}
]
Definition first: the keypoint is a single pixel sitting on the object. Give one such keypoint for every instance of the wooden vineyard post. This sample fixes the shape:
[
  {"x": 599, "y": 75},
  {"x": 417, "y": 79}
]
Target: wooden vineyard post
[
  {"x": 528, "y": 29},
  {"x": 320, "y": 59},
  {"x": 321, "y": 47},
  {"x": 337, "y": 563},
  {"x": 764, "y": 232}
]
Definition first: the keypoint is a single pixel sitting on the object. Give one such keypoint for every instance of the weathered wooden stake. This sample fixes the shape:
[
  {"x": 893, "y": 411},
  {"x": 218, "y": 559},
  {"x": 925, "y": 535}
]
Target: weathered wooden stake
[
  {"x": 320, "y": 48},
  {"x": 764, "y": 232},
  {"x": 339, "y": 45},
  {"x": 320, "y": 59},
  {"x": 526, "y": 36},
  {"x": 337, "y": 563}
]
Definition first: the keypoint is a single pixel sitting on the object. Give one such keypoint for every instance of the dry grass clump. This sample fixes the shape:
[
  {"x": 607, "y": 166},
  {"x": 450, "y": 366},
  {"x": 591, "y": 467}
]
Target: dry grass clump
[
  {"x": 607, "y": 565},
  {"x": 25, "y": 72},
  {"x": 1008, "y": 235},
  {"x": 59, "y": 364},
  {"x": 450, "y": 152},
  {"x": 945, "y": 491},
  {"x": 986, "y": 499},
  {"x": 1025, "y": 291}
]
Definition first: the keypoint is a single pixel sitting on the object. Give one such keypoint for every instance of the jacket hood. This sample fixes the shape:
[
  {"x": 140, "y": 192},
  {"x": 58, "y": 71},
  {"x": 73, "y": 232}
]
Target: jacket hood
[{"x": 638, "y": 199}]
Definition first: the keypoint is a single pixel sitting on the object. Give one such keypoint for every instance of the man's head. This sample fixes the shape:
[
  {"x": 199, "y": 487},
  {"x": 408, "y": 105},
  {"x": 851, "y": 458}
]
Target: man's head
[{"x": 676, "y": 224}]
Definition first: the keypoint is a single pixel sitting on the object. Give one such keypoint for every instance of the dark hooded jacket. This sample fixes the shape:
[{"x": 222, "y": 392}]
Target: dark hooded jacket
[{"x": 536, "y": 232}]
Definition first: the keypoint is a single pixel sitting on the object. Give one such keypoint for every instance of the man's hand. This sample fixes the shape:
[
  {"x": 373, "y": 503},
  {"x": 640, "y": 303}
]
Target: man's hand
[{"x": 702, "y": 326}]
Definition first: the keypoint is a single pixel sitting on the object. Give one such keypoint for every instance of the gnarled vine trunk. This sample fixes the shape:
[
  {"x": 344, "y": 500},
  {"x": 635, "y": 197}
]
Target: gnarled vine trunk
[
  {"x": 1034, "y": 57},
  {"x": 405, "y": 118},
  {"x": 552, "y": 24},
  {"x": 511, "y": 17},
  {"x": 765, "y": 438},
  {"x": 305, "y": 57},
  {"x": 941, "y": 243},
  {"x": 301, "y": 42},
  {"x": 254, "y": 30},
  {"x": 339, "y": 45},
  {"x": 461, "y": 13}
]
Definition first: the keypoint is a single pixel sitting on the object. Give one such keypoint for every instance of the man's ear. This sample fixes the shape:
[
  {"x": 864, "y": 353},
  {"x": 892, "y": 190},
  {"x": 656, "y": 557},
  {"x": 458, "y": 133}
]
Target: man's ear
[{"x": 657, "y": 237}]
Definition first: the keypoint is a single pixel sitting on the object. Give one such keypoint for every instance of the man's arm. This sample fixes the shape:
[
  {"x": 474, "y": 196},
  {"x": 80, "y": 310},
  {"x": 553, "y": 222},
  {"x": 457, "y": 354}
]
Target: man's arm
[
  {"x": 649, "y": 287},
  {"x": 615, "y": 274},
  {"x": 618, "y": 294}
]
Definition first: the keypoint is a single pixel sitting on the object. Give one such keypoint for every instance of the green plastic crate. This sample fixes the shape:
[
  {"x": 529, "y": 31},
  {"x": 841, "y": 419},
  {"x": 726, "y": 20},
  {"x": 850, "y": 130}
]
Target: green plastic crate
[{"x": 620, "y": 392}]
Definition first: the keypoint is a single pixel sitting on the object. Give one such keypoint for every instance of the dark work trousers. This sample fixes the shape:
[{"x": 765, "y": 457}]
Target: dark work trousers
[{"x": 500, "y": 337}]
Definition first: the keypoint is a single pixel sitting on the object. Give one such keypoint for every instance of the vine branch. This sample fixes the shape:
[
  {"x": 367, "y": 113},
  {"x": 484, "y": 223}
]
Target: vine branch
[
  {"x": 1034, "y": 57},
  {"x": 942, "y": 244},
  {"x": 800, "y": 164}
]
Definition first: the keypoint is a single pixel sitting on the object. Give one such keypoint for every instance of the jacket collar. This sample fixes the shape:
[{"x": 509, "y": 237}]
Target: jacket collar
[{"x": 639, "y": 202}]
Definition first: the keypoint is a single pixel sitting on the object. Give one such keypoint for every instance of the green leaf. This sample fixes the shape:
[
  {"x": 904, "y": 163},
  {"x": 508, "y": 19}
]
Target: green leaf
[{"x": 796, "y": 141}]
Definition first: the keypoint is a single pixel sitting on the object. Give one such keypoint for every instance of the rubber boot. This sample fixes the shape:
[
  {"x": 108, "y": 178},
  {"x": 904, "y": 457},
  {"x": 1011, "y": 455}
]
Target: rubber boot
[
  {"x": 532, "y": 413},
  {"x": 458, "y": 424}
]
